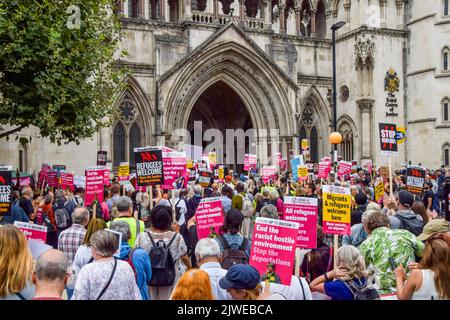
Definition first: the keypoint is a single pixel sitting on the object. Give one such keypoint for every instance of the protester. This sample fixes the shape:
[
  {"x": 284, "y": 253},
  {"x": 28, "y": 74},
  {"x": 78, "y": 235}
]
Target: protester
[
  {"x": 17, "y": 213},
  {"x": 137, "y": 258},
  {"x": 361, "y": 205},
  {"x": 158, "y": 234},
  {"x": 428, "y": 195},
  {"x": 419, "y": 209},
  {"x": 350, "y": 275},
  {"x": 193, "y": 285},
  {"x": 125, "y": 213},
  {"x": 48, "y": 219},
  {"x": 25, "y": 201},
  {"x": 276, "y": 201},
  {"x": 242, "y": 282},
  {"x": 437, "y": 228},
  {"x": 50, "y": 275},
  {"x": 78, "y": 197},
  {"x": 269, "y": 211},
  {"x": 104, "y": 205},
  {"x": 432, "y": 280},
  {"x": 208, "y": 256},
  {"x": 63, "y": 209},
  {"x": 384, "y": 243},
  {"x": 405, "y": 218},
  {"x": 106, "y": 278},
  {"x": 115, "y": 194},
  {"x": 232, "y": 239},
  {"x": 297, "y": 290},
  {"x": 194, "y": 201},
  {"x": 16, "y": 265},
  {"x": 227, "y": 195}
]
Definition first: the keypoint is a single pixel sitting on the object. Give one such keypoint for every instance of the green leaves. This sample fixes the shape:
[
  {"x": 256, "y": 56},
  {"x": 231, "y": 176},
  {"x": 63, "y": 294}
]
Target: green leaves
[{"x": 61, "y": 80}]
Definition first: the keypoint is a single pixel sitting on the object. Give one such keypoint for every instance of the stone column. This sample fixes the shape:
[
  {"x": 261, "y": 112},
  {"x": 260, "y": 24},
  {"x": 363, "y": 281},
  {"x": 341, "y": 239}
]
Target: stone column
[
  {"x": 215, "y": 10},
  {"x": 330, "y": 17},
  {"x": 141, "y": 9},
  {"x": 366, "y": 128},
  {"x": 162, "y": 11},
  {"x": 298, "y": 13},
  {"x": 267, "y": 9},
  {"x": 188, "y": 10},
  {"x": 241, "y": 11},
  {"x": 383, "y": 13},
  {"x": 313, "y": 22},
  {"x": 347, "y": 12},
  {"x": 400, "y": 10},
  {"x": 281, "y": 8}
]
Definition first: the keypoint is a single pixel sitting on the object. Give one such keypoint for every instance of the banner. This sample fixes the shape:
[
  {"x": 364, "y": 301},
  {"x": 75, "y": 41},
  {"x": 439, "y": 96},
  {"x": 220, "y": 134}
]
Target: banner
[
  {"x": 273, "y": 249},
  {"x": 79, "y": 181},
  {"x": 304, "y": 211},
  {"x": 384, "y": 173},
  {"x": 204, "y": 177},
  {"x": 124, "y": 171},
  {"x": 67, "y": 181},
  {"x": 149, "y": 166},
  {"x": 415, "y": 179},
  {"x": 302, "y": 173},
  {"x": 401, "y": 134},
  {"x": 336, "y": 210},
  {"x": 175, "y": 172},
  {"x": 101, "y": 158},
  {"x": 24, "y": 181},
  {"x": 250, "y": 161},
  {"x": 5, "y": 193},
  {"x": 212, "y": 158},
  {"x": 32, "y": 231},
  {"x": 324, "y": 169},
  {"x": 344, "y": 168},
  {"x": 379, "y": 190},
  {"x": 388, "y": 139},
  {"x": 269, "y": 173},
  {"x": 45, "y": 168},
  {"x": 209, "y": 217},
  {"x": 59, "y": 167},
  {"x": 94, "y": 185},
  {"x": 52, "y": 179}
]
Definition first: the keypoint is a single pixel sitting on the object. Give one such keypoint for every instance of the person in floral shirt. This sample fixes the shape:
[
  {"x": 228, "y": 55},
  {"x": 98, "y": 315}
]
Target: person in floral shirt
[{"x": 384, "y": 243}]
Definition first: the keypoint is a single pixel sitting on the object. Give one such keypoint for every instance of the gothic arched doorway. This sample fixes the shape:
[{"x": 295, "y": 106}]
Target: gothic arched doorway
[{"x": 220, "y": 107}]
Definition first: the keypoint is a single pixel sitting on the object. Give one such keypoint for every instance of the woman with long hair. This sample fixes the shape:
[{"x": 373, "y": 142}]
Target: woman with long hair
[
  {"x": 419, "y": 208},
  {"x": 194, "y": 284},
  {"x": 432, "y": 280},
  {"x": 16, "y": 265}
]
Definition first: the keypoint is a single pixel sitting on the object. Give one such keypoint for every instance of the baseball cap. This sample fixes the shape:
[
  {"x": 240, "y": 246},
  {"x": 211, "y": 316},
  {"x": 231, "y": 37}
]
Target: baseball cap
[
  {"x": 406, "y": 198},
  {"x": 432, "y": 227},
  {"x": 240, "y": 276}
]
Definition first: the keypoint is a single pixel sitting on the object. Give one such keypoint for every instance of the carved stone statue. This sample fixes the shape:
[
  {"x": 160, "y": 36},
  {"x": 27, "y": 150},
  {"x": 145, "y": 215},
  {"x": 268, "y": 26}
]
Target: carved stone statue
[{"x": 306, "y": 22}]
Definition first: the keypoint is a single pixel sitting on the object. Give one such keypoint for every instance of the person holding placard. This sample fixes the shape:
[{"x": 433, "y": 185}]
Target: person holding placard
[{"x": 16, "y": 265}]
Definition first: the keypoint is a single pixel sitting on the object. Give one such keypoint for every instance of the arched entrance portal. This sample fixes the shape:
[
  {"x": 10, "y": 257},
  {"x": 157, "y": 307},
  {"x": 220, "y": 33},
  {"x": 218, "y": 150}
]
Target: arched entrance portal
[{"x": 220, "y": 107}]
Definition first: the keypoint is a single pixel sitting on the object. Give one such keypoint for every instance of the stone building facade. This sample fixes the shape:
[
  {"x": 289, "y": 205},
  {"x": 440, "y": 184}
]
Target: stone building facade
[{"x": 268, "y": 65}]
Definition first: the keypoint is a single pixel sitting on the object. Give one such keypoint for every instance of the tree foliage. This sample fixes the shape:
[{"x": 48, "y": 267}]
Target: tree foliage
[{"x": 57, "y": 76}]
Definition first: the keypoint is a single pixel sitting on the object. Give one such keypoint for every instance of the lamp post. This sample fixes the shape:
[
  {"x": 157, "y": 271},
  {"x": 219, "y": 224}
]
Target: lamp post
[{"x": 335, "y": 137}]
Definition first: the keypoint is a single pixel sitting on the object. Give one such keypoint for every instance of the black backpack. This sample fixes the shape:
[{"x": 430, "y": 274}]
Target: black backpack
[
  {"x": 412, "y": 224},
  {"x": 163, "y": 266},
  {"x": 231, "y": 256},
  {"x": 362, "y": 292},
  {"x": 62, "y": 216}
]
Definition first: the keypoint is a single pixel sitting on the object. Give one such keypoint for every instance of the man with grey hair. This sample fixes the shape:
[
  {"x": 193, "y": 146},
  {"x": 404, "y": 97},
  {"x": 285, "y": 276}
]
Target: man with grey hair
[
  {"x": 63, "y": 208},
  {"x": 125, "y": 213},
  {"x": 138, "y": 258},
  {"x": 208, "y": 255},
  {"x": 50, "y": 275}
]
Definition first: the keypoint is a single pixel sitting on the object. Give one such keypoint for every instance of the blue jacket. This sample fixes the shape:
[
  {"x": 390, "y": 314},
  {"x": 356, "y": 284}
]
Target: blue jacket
[{"x": 141, "y": 264}]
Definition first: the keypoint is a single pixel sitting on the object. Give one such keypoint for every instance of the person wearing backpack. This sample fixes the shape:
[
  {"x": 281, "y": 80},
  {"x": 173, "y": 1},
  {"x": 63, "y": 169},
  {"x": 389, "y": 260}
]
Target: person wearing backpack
[
  {"x": 242, "y": 202},
  {"x": 167, "y": 252},
  {"x": 125, "y": 213},
  {"x": 349, "y": 281},
  {"x": 235, "y": 248},
  {"x": 405, "y": 218},
  {"x": 137, "y": 258},
  {"x": 63, "y": 209}
]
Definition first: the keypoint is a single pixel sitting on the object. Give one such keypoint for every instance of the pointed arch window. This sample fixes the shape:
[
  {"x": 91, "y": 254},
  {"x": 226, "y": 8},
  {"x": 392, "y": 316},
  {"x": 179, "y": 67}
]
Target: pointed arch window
[
  {"x": 119, "y": 144},
  {"x": 445, "y": 110},
  {"x": 445, "y": 59},
  {"x": 347, "y": 147},
  {"x": 314, "y": 145},
  {"x": 133, "y": 8},
  {"x": 446, "y": 154},
  {"x": 446, "y": 7},
  {"x": 135, "y": 141}
]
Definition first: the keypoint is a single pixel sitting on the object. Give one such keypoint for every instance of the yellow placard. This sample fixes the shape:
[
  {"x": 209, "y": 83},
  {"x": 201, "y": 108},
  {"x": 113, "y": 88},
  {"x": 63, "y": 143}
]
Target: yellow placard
[
  {"x": 189, "y": 163},
  {"x": 305, "y": 144},
  {"x": 124, "y": 169},
  {"x": 302, "y": 171},
  {"x": 337, "y": 205},
  {"x": 379, "y": 190},
  {"x": 212, "y": 158},
  {"x": 221, "y": 173}
]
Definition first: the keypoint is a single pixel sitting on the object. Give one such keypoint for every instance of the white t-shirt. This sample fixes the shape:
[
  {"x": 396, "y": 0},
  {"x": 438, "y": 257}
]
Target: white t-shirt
[
  {"x": 427, "y": 290},
  {"x": 292, "y": 292}
]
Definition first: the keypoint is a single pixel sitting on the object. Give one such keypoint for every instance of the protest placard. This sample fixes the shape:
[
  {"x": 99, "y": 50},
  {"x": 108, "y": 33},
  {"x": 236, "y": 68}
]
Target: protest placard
[
  {"x": 324, "y": 169},
  {"x": 303, "y": 211},
  {"x": 209, "y": 217},
  {"x": 5, "y": 193},
  {"x": 42, "y": 175},
  {"x": 79, "y": 181},
  {"x": 250, "y": 161},
  {"x": 302, "y": 173},
  {"x": 124, "y": 172},
  {"x": 336, "y": 210},
  {"x": 415, "y": 179},
  {"x": 67, "y": 181},
  {"x": 388, "y": 139},
  {"x": 175, "y": 172},
  {"x": 94, "y": 185},
  {"x": 204, "y": 177},
  {"x": 274, "y": 243},
  {"x": 101, "y": 158},
  {"x": 344, "y": 169},
  {"x": 23, "y": 181},
  {"x": 52, "y": 178},
  {"x": 379, "y": 190},
  {"x": 32, "y": 231},
  {"x": 149, "y": 166},
  {"x": 221, "y": 173},
  {"x": 268, "y": 173},
  {"x": 106, "y": 173}
]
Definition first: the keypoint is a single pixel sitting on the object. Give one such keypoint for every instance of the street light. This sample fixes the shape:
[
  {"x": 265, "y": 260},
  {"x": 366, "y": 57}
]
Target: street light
[{"x": 335, "y": 27}]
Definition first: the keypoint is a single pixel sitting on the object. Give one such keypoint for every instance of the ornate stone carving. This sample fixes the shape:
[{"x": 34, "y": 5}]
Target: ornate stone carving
[
  {"x": 344, "y": 93},
  {"x": 364, "y": 49}
]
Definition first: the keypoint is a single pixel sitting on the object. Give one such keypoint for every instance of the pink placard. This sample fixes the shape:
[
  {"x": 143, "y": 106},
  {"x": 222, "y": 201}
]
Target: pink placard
[
  {"x": 209, "y": 217},
  {"x": 303, "y": 211},
  {"x": 176, "y": 175},
  {"x": 268, "y": 173},
  {"x": 344, "y": 168},
  {"x": 250, "y": 161},
  {"x": 67, "y": 181},
  {"x": 324, "y": 170},
  {"x": 274, "y": 242},
  {"x": 24, "y": 181},
  {"x": 106, "y": 173},
  {"x": 32, "y": 231},
  {"x": 369, "y": 167},
  {"x": 278, "y": 158},
  {"x": 52, "y": 178},
  {"x": 94, "y": 185}
]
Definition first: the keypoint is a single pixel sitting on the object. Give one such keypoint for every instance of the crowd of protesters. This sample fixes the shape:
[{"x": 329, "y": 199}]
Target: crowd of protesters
[{"x": 399, "y": 245}]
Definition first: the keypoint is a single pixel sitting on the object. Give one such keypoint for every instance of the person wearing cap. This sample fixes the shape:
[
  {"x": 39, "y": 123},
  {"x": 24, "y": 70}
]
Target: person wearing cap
[
  {"x": 361, "y": 205},
  {"x": 405, "y": 217},
  {"x": 242, "y": 282},
  {"x": 437, "y": 228},
  {"x": 228, "y": 182}
]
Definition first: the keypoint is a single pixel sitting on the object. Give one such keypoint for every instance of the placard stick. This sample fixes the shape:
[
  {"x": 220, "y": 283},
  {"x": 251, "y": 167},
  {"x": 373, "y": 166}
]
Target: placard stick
[
  {"x": 42, "y": 188},
  {"x": 174, "y": 218},
  {"x": 123, "y": 189},
  {"x": 390, "y": 175},
  {"x": 151, "y": 197},
  {"x": 94, "y": 208},
  {"x": 297, "y": 262},
  {"x": 336, "y": 247}
]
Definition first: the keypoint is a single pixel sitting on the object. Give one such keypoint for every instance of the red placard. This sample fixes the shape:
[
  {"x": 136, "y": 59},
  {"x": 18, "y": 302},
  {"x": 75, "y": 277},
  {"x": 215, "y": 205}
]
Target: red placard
[
  {"x": 52, "y": 178},
  {"x": 344, "y": 168},
  {"x": 67, "y": 181},
  {"x": 209, "y": 216},
  {"x": 94, "y": 185},
  {"x": 176, "y": 175},
  {"x": 32, "y": 231}
]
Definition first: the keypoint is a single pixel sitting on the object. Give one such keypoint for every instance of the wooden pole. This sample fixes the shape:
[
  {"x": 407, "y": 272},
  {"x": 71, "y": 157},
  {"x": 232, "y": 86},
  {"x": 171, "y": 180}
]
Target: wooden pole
[
  {"x": 151, "y": 197},
  {"x": 42, "y": 188},
  {"x": 390, "y": 176},
  {"x": 297, "y": 262},
  {"x": 336, "y": 247},
  {"x": 94, "y": 209},
  {"x": 173, "y": 208}
]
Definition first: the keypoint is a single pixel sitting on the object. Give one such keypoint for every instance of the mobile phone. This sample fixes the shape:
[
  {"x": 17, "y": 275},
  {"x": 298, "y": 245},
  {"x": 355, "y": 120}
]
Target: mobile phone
[{"x": 392, "y": 262}]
